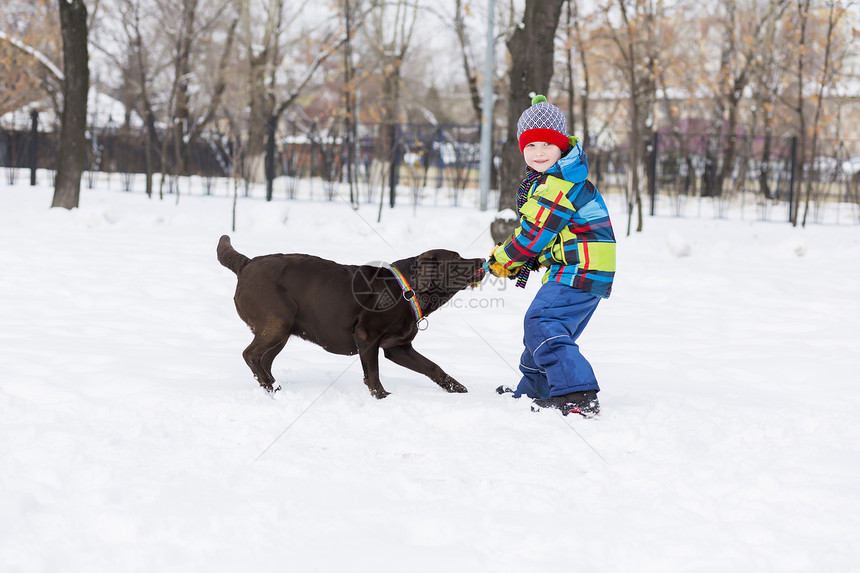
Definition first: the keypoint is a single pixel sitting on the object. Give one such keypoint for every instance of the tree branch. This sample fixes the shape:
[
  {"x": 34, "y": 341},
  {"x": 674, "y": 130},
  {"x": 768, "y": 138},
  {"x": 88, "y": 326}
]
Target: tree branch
[{"x": 39, "y": 56}]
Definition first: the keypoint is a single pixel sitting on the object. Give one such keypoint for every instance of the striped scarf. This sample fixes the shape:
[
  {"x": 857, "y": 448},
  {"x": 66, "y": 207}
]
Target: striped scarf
[{"x": 522, "y": 195}]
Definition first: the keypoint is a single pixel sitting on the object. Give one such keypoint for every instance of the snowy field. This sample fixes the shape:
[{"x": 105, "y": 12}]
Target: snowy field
[{"x": 133, "y": 437}]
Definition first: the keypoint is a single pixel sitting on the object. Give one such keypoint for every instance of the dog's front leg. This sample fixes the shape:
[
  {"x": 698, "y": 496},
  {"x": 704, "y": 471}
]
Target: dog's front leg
[
  {"x": 405, "y": 355},
  {"x": 368, "y": 352}
]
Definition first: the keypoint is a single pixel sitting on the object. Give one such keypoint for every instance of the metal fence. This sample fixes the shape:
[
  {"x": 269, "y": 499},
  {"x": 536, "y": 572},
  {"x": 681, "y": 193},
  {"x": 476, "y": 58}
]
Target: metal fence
[{"x": 440, "y": 164}]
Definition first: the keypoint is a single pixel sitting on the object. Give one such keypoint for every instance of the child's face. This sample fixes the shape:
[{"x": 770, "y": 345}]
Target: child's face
[{"x": 540, "y": 155}]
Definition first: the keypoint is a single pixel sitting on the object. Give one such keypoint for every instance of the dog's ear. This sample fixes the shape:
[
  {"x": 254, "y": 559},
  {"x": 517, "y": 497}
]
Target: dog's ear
[
  {"x": 439, "y": 256},
  {"x": 429, "y": 272},
  {"x": 426, "y": 256}
]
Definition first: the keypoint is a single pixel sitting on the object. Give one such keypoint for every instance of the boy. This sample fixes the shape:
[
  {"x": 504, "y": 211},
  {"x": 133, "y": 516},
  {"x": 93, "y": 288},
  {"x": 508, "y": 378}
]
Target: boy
[{"x": 565, "y": 227}]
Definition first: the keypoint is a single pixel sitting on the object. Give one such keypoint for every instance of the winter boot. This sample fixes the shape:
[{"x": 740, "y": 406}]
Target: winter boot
[{"x": 583, "y": 403}]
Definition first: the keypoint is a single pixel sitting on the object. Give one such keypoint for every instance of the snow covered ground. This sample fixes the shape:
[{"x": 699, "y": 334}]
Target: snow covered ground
[{"x": 134, "y": 438}]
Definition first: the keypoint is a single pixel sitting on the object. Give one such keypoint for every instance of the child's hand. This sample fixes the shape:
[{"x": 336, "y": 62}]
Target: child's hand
[{"x": 499, "y": 270}]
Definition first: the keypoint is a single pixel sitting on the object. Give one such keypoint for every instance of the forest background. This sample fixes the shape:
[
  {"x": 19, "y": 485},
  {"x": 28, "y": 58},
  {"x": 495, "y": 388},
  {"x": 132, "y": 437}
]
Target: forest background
[{"x": 740, "y": 74}]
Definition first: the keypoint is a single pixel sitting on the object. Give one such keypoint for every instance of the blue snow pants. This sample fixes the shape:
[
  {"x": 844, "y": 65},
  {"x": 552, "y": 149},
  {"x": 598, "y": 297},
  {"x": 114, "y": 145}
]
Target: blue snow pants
[{"x": 552, "y": 364}]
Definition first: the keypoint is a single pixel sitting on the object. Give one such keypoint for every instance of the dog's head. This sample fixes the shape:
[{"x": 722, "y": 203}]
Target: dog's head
[{"x": 440, "y": 274}]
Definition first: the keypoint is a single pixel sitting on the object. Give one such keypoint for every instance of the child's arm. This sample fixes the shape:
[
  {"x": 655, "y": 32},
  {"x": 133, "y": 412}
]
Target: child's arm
[{"x": 544, "y": 215}]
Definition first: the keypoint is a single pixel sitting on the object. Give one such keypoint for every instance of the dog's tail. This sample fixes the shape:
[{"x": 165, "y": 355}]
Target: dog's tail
[{"x": 230, "y": 257}]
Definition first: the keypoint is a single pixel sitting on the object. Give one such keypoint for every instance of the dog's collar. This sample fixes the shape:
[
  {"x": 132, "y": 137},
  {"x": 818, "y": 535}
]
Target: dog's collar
[{"x": 408, "y": 294}]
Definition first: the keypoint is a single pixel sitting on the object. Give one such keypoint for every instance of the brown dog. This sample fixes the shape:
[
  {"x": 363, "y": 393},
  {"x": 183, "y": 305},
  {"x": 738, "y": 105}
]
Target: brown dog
[{"x": 345, "y": 309}]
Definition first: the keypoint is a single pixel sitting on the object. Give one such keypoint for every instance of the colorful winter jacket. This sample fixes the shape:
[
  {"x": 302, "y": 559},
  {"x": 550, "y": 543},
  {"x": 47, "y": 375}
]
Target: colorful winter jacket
[{"x": 565, "y": 224}]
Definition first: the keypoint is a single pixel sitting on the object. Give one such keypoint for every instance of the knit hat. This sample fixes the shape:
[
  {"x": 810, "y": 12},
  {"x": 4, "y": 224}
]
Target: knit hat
[{"x": 542, "y": 122}]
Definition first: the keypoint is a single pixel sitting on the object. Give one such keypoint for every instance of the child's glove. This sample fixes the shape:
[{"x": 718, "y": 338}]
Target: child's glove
[{"x": 500, "y": 271}]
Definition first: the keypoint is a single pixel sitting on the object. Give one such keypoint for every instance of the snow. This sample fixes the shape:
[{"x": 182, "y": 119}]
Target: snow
[{"x": 134, "y": 438}]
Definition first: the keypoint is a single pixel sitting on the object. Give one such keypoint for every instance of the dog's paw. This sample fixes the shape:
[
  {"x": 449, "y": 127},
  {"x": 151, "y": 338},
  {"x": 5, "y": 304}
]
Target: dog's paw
[
  {"x": 380, "y": 394},
  {"x": 270, "y": 388},
  {"x": 453, "y": 386}
]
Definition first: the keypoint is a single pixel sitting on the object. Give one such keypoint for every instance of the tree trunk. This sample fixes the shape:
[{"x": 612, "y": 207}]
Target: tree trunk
[
  {"x": 272, "y": 134},
  {"x": 765, "y": 161},
  {"x": 531, "y": 50},
  {"x": 731, "y": 145},
  {"x": 571, "y": 78},
  {"x": 182, "y": 101},
  {"x": 832, "y": 20},
  {"x": 260, "y": 84},
  {"x": 584, "y": 134},
  {"x": 391, "y": 123},
  {"x": 803, "y": 16},
  {"x": 469, "y": 69},
  {"x": 73, "y": 120}
]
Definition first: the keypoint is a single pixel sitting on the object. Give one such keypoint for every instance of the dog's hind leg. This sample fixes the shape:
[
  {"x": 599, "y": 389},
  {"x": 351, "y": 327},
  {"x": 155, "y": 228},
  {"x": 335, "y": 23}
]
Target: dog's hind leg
[
  {"x": 269, "y": 357},
  {"x": 259, "y": 357},
  {"x": 271, "y": 324},
  {"x": 405, "y": 355}
]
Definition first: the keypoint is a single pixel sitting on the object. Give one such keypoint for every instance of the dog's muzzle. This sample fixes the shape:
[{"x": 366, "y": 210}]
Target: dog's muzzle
[{"x": 479, "y": 275}]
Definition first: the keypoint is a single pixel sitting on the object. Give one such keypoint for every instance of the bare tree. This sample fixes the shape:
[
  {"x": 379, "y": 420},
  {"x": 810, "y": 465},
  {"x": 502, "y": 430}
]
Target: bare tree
[
  {"x": 802, "y": 25},
  {"x": 189, "y": 118},
  {"x": 172, "y": 74},
  {"x": 28, "y": 54},
  {"x": 130, "y": 25},
  {"x": 638, "y": 47},
  {"x": 576, "y": 52},
  {"x": 389, "y": 29},
  {"x": 531, "y": 50},
  {"x": 744, "y": 39},
  {"x": 271, "y": 89},
  {"x": 767, "y": 81},
  {"x": 470, "y": 68},
  {"x": 73, "y": 121},
  {"x": 824, "y": 80}
]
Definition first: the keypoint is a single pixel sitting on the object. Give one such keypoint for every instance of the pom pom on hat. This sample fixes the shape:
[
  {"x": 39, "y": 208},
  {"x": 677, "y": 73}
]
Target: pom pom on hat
[{"x": 542, "y": 122}]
